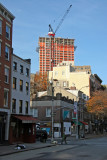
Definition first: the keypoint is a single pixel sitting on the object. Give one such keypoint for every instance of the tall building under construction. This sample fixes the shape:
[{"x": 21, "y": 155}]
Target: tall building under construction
[{"x": 53, "y": 51}]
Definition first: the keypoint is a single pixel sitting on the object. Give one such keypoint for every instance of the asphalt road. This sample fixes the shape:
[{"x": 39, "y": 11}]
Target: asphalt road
[{"x": 91, "y": 149}]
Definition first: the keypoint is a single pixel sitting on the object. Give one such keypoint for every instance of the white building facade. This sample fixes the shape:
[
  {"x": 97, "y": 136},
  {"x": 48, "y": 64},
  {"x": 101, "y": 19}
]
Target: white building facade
[{"x": 20, "y": 98}]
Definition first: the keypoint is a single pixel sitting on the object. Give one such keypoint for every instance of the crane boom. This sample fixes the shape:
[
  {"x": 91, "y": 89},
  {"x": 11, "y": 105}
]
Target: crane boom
[
  {"x": 51, "y": 32},
  {"x": 63, "y": 18}
]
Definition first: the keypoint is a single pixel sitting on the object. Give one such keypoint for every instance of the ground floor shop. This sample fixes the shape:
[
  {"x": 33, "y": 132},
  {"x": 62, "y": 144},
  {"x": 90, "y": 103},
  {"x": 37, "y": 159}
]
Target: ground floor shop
[
  {"x": 82, "y": 128},
  {"x": 58, "y": 128},
  {"x": 4, "y": 125},
  {"x": 22, "y": 129}
]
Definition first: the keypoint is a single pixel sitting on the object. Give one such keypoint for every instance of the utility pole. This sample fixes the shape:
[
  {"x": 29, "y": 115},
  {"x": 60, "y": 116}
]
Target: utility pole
[
  {"x": 52, "y": 92},
  {"x": 52, "y": 112}
]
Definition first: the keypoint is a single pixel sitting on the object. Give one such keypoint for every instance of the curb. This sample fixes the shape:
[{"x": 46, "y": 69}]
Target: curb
[{"x": 24, "y": 150}]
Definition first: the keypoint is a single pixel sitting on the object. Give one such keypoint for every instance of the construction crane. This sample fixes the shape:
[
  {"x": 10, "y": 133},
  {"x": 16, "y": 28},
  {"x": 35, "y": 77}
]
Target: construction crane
[{"x": 51, "y": 33}]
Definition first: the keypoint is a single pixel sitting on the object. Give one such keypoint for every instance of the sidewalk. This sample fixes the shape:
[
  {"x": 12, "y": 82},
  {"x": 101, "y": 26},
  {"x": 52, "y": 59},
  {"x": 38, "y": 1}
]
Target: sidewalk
[{"x": 10, "y": 149}]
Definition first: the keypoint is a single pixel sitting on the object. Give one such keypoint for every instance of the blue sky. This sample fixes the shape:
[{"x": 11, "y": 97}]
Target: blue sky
[{"x": 86, "y": 23}]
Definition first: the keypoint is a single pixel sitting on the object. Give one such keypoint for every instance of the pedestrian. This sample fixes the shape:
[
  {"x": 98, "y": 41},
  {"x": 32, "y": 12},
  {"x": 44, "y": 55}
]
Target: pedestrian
[
  {"x": 43, "y": 137},
  {"x": 64, "y": 139}
]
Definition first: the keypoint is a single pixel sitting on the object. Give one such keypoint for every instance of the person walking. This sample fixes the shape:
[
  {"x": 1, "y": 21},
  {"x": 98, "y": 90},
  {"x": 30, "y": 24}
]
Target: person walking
[{"x": 64, "y": 138}]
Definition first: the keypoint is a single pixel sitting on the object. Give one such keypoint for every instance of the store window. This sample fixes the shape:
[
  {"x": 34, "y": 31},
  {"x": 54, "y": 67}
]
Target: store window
[{"x": 56, "y": 129}]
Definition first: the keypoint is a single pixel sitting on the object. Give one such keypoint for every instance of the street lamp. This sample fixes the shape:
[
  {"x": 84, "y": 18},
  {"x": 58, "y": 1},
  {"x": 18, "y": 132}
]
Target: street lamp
[
  {"x": 52, "y": 89},
  {"x": 51, "y": 82},
  {"x": 76, "y": 104}
]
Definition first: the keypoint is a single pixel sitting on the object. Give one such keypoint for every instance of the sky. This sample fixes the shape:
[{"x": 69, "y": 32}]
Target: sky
[{"x": 86, "y": 22}]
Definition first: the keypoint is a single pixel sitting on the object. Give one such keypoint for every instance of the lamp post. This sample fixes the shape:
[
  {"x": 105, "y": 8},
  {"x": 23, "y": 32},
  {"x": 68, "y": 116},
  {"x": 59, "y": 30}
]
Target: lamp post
[
  {"x": 76, "y": 104},
  {"x": 52, "y": 89},
  {"x": 52, "y": 114}
]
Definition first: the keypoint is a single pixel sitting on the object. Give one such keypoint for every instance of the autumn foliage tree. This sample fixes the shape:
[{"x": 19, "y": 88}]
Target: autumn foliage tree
[
  {"x": 97, "y": 104},
  {"x": 40, "y": 82}
]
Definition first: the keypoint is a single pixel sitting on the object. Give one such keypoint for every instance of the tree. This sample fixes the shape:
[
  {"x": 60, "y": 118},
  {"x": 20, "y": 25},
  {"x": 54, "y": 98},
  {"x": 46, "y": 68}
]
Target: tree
[
  {"x": 40, "y": 82},
  {"x": 97, "y": 104}
]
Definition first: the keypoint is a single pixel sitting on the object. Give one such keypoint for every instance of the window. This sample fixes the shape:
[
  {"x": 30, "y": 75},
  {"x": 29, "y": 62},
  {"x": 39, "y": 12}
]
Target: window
[
  {"x": 27, "y": 88},
  {"x": 64, "y": 84},
  {"x": 21, "y": 85},
  {"x": 56, "y": 129},
  {"x": 15, "y": 66},
  {"x": 13, "y": 105},
  {"x": 7, "y": 52},
  {"x": 67, "y": 84},
  {"x": 63, "y": 72},
  {"x": 20, "y": 106},
  {"x": 14, "y": 82},
  {"x": 57, "y": 84},
  {"x": 6, "y": 75},
  {"x": 48, "y": 112},
  {"x": 27, "y": 72},
  {"x": 0, "y": 48},
  {"x": 35, "y": 112},
  {"x": 56, "y": 73},
  {"x": 26, "y": 105},
  {"x": 0, "y": 27},
  {"x": 7, "y": 32},
  {"x": 21, "y": 69},
  {"x": 5, "y": 98},
  {"x": 68, "y": 115}
]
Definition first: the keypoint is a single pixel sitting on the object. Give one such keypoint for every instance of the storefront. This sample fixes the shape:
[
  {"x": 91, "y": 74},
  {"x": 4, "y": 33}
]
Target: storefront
[
  {"x": 2, "y": 126},
  {"x": 82, "y": 128},
  {"x": 22, "y": 129}
]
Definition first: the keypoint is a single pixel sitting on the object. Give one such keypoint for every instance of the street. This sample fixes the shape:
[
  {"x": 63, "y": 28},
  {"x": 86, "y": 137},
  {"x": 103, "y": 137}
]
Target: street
[{"x": 89, "y": 149}]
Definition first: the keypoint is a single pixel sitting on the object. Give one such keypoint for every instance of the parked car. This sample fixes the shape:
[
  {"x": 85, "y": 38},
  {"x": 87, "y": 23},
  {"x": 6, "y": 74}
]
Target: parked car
[{"x": 41, "y": 135}]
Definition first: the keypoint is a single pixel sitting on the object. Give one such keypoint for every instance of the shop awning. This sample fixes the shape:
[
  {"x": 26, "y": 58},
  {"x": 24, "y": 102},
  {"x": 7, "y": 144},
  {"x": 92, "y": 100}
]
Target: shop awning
[
  {"x": 79, "y": 123},
  {"x": 84, "y": 123},
  {"x": 26, "y": 119}
]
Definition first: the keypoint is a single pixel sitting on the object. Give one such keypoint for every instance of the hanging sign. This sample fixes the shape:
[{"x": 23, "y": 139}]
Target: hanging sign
[{"x": 75, "y": 107}]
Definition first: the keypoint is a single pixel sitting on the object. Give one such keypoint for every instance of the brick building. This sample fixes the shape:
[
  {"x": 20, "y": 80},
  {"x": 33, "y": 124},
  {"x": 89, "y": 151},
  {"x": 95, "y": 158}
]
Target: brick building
[
  {"x": 53, "y": 51},
  {"x": 62, "y": 111},
  {"x": 6, "y": 25}
]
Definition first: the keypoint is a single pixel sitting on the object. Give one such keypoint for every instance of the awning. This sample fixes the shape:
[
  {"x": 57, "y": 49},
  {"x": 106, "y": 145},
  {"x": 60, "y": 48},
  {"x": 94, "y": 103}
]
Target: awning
[
  {"x": 84, "y": 123},
  {"x": 79, "y": 123},
  {"x": 26, "y": 119}
]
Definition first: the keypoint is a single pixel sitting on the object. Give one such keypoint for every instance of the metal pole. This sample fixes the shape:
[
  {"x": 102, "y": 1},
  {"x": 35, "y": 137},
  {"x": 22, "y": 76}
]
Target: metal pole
[
  {"x": 76, "y": 105},
  {"x": 52, "y": 113}
]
